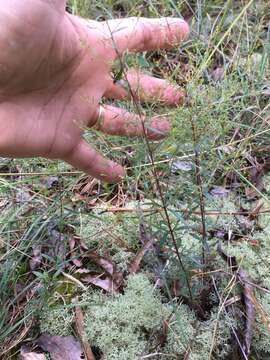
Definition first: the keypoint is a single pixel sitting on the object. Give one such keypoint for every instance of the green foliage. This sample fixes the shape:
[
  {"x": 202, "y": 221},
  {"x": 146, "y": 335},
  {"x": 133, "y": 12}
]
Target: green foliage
[
  {"x": 108, "y": 8},
  {"x": 111, "y": 235}
]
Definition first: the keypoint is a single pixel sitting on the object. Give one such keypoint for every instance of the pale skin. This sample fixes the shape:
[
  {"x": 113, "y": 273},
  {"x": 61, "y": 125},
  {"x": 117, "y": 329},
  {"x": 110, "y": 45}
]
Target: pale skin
[{"x": 55, "y": 68}]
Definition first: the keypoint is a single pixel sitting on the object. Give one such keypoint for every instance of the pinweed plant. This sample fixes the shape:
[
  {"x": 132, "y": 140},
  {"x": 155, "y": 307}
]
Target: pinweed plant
[{"x": 208, "y": 198}]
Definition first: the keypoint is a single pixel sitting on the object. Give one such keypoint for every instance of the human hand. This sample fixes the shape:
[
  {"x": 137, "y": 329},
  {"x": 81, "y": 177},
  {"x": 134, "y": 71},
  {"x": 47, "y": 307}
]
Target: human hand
[{"x": 54, "y": 70}]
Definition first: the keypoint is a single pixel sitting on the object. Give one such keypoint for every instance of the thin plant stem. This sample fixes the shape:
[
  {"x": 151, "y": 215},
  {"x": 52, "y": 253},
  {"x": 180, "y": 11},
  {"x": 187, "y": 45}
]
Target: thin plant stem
[
  {"x": 200, "y": 187},
  {"x": 154, "y": 171}
]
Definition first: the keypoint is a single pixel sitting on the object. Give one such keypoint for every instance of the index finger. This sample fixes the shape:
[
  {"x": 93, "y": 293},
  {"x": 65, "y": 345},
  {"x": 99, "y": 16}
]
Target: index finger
[{"x": 142, "y": 34}]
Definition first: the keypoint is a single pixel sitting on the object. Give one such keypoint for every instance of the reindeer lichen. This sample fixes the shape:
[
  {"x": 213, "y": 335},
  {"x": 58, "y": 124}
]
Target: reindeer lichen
[
  {"x": 199, "y": 338},
  {"x": 119, "y": 325},
  {"x": 56, "y": 320}
]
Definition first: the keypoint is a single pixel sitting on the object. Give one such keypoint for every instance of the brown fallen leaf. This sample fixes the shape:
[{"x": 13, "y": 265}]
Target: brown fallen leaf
[
  {"x": 103, "y": 283},
  {"x": 249, "y": 300},
  {"x": 114, "y": 281},
  {"x": 22, "y": 197},
  {"x": 256, "y": 172},
  {"x": 147, "y": 242},
  {"x": 249, "y": 295},
  {"x": 103, "y": 262},
  {"x": 2, "y": 243},
  {"x": 60, "y": 348},
  {"x": 36, "y": 258},
  {"x": 135, "y": 265},
  {"x": 256, "y": 210},
  {"x": 219, "y": 191},
  {"x": 181, "y": 166},
  {"x": 218, "y": 74},
  {"x": 109, "y": 280},
  {"x": 28, "y": 354},
  {"x": 73, "y": 246}
]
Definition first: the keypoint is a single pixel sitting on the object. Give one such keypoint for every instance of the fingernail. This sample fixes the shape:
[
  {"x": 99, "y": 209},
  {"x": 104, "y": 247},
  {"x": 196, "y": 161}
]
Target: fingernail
[
  {"x": 173, "y": 95},
  {"x": 158, "y": 129},
  {"x": 117, "y": 172}
]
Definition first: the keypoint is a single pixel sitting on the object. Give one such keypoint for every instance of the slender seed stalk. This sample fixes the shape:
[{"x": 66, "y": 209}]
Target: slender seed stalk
[
  {"x": 154, "y": 172},
  {"x": 200, "y": 188}
]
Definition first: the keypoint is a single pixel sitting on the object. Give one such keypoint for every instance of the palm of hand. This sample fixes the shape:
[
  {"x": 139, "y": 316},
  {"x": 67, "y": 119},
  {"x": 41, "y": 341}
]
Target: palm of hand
[{"x": 53, "y": 73}]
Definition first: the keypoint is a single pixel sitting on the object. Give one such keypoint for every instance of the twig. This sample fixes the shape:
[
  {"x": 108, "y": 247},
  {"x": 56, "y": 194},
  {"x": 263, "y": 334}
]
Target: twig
[
  {"x": 156, "y": 354},
  {"x": 41, "y": 173},
  {"x": 207, "y": 213},
  {"x": 79, "y": 321},
  {"x": 147, "y": 244}
]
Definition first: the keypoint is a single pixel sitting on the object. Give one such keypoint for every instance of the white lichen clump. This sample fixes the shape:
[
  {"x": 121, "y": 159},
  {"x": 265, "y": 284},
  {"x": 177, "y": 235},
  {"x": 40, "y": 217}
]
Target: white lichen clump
[
  {"x": 56, "y": 320},
  {"x": 119, "y": 325}
]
